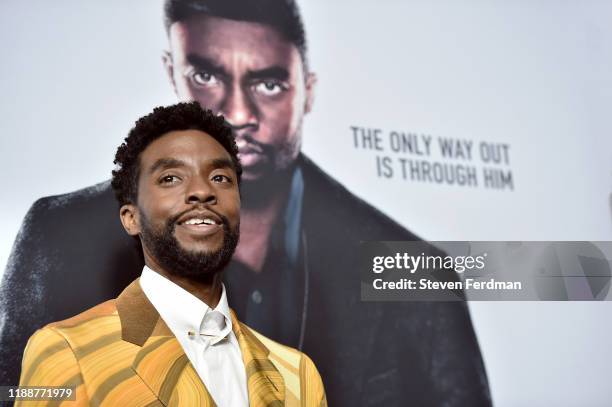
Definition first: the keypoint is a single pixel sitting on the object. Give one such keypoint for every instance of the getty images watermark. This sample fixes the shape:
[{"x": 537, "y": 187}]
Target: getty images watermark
[{"x": 485, "y": 271}]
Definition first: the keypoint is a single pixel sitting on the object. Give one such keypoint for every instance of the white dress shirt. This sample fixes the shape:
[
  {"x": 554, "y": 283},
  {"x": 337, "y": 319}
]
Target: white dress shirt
[{"x": 206, "y": 337}]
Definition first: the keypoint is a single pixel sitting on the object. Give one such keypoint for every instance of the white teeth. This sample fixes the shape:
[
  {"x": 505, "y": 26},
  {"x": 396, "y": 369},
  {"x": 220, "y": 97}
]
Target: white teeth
[{"x": 198, "y": 221}]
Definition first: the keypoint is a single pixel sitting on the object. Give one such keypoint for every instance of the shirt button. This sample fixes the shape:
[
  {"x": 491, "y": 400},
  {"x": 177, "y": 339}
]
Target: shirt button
[{"x": 257, "y": 297}]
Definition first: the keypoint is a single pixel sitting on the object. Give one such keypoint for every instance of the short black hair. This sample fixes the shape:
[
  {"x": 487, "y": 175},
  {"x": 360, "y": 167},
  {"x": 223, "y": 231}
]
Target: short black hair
[
  {"x": 181, "y": 116},
  {"x": 282, "y": 15}
]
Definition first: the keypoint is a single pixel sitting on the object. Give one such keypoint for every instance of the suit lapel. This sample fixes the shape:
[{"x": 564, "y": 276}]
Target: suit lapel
[
  {"x": 164, "y": 367},
  {"x": 160, "y": 362},
  {"x": 265, "y": 384}
]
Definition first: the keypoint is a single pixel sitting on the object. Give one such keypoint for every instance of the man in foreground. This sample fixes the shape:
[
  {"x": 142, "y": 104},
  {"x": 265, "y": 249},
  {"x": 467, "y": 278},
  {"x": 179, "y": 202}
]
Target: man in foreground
[{"x": 170, "y": 336}]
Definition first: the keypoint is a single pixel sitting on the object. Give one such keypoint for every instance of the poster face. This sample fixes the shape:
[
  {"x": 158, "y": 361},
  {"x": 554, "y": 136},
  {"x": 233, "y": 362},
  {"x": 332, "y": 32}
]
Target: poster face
[{"x": 390, "y": 121}]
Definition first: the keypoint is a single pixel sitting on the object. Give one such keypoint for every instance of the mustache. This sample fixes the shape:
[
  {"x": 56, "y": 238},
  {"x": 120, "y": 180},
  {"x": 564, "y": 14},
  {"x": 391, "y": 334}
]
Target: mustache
[{"x": 252, "y": 144}]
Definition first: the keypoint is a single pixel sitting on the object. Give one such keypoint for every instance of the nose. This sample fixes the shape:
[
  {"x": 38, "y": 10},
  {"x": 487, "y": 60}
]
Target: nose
[
  {"x": 238, "y": 108},
  {"x": 199, "y": 190}
]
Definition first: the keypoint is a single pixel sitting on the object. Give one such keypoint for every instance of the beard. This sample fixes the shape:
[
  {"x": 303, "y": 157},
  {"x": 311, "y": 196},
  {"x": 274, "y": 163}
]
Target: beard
[{"x": 195, "y": 264}]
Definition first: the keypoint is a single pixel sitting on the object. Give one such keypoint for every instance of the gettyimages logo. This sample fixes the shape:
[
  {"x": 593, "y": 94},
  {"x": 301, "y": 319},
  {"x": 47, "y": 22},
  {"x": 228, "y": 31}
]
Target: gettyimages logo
[{"x": 405, "y": 261}]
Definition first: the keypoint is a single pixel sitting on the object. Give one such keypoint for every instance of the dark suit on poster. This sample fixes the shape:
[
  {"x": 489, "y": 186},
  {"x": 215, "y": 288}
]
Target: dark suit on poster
[{"x": 72, "y": 253}]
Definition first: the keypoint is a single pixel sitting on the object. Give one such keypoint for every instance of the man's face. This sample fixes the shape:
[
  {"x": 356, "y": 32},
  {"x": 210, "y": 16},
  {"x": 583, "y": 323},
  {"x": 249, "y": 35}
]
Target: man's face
[
  {"x": 188, "y": 204},
  {"x": 250, "y": 74}
]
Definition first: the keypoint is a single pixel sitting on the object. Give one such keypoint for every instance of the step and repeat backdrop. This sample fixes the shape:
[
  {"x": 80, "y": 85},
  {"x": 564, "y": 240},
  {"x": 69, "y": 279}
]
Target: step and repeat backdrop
[{"x": 472, "y": 120}]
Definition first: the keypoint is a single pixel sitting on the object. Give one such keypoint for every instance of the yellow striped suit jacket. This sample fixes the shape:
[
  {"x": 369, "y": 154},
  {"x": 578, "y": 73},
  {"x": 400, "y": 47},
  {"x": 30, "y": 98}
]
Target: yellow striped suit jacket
[{"x": 121, "y": 353}]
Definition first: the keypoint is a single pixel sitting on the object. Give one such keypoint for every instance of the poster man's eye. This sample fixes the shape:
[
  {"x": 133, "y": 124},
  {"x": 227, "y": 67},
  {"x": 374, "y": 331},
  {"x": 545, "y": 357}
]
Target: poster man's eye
[
  {"x": 204, "y": 79},
  {"x": 270, "y": 88}
]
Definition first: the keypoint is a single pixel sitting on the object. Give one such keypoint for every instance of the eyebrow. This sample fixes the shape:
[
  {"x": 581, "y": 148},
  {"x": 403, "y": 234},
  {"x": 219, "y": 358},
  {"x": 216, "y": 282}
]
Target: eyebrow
[
  {"x": 206, "y": 64},
  {"x": 223, "y": 163},
  {"x": 274, "y": 72},
  {"x": 165, "y": 163}
]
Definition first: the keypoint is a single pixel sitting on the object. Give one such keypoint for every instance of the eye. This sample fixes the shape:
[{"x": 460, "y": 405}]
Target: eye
[
  {"x": 204, "y": 78},
  {"x": 270, "y": 88},
  {"x": 221, "y": 178},
  {"x": 169, "y": 179}
]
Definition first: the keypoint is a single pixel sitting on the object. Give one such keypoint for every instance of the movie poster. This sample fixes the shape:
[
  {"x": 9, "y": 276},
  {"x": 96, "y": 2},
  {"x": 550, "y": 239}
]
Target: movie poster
[{"x": 361, "y": 121}]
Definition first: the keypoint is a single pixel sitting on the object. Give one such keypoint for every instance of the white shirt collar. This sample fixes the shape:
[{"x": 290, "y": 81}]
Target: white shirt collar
[{"x": 184, "y": 313}]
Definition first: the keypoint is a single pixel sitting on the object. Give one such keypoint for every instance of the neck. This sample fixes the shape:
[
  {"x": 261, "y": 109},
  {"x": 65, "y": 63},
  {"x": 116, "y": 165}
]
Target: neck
[
  {"x": 263, "y": 203},
  {"x": 207, "y": 289}
]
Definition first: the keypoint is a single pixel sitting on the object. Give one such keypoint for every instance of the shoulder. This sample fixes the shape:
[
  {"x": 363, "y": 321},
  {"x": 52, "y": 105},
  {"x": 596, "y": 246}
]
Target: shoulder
[
  {"x": 94, "y": 194},
  {"x": 85, "y": 318},
  {"x": 326, "y": 201},
  {"x": 94, "y": 323},
  {"x": 75, "y": 223},
  {"x": 77, "y": 206}
]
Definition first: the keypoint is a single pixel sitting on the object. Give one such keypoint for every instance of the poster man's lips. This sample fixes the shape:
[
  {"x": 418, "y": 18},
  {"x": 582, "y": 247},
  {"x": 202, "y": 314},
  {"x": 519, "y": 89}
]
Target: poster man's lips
[
  {"x": 249, "y": 149},
  {"x": 246, "y": 147},
  {"x": 250, "y": 158}
]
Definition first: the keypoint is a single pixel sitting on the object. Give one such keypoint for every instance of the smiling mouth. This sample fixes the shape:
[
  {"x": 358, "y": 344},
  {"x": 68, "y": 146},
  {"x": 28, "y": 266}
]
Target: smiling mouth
[
  {"x": 200, "y": 221},
  {"x": 202, "y": 226}
]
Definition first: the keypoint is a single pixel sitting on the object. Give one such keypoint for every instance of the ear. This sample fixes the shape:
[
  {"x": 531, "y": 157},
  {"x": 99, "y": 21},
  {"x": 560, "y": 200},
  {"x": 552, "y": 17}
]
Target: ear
[
  {"x": 169, "y": 67},
  {"x": 130, "y": 219},
  {"x": 311, "y": 81}
]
